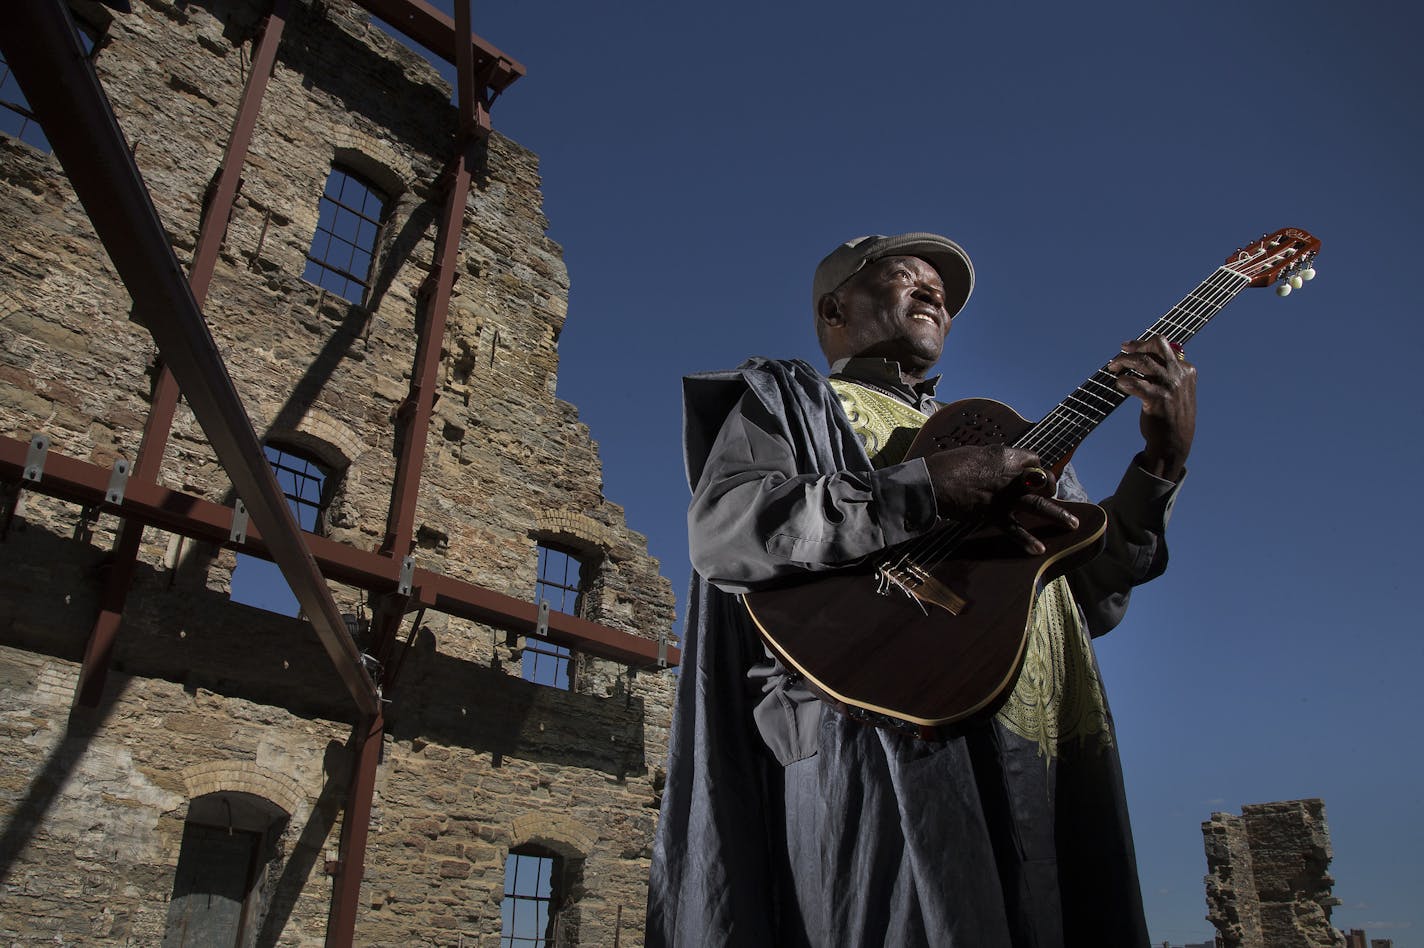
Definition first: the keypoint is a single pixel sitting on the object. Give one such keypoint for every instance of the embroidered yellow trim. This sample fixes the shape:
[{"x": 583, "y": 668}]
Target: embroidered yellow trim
[
  {"x": 1058, "y": 696},
  {"x": 884, "y": 424}
]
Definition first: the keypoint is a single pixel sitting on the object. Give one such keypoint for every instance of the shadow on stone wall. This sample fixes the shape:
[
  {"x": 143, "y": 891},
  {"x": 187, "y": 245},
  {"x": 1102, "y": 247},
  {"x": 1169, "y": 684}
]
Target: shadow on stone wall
[
  {"x": 49, "y": 589},
  {"x": 310, "y": 848},
  {"x": 44, "y": 786},
  {"x": 307, "y": 389},
  {"x": 200, "y": 639},
  {"x": 345, "y": 69},
  {"x": 184, "y": 633},
  {"x": 450, "y": 701}
]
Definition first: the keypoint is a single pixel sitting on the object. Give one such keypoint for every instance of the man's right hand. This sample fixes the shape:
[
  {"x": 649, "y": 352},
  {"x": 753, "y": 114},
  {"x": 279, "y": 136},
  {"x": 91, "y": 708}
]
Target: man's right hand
[{"x": 988, "y": 481}]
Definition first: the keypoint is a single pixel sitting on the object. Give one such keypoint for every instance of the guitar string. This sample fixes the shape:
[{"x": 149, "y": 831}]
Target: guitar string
[
  {"x": 1068, "y": 423},
  {"x": 1058, "y": 431}
]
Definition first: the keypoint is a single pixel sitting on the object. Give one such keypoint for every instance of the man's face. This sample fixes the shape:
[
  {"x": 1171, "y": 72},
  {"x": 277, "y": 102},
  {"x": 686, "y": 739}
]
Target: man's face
[{"x": 892, "y": 309}]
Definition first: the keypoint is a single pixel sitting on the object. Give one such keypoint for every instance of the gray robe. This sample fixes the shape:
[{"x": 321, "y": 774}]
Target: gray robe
[{"x": 783, "y": 825}]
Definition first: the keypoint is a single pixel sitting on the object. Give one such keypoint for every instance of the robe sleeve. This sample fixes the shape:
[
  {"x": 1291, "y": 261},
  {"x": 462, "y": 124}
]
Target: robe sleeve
[
  {"x": 754, "y": 519},
  {"x": 1135, "y": 550}
]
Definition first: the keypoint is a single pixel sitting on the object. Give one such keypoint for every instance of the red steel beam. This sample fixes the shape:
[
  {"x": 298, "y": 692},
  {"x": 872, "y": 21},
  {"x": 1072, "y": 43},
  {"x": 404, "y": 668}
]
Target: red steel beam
[
  {"x": 42, "y": 47},
  {"x": 410, "y": 462},
  {"x": 355, "y": 826},
  {"x": 98, "y": 651},
  {"x": 84, "y": 483},
  {"x": 416, "y": 411},
  {"x": 439, "y": 34},
  {"x": 219, "y": 209},
  {"x": 420, "y": 401}
]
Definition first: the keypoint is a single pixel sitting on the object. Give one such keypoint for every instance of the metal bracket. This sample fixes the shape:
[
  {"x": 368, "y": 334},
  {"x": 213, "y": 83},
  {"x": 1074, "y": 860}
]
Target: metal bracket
[
  {"x": 373, "y": 668},
  {"x": 35, "y": 458},
  {"x": 407, "y": 576},
  {"x": 662, "y": 650},
  {"x": 117, "y": 482},
  {"x": 541, "y": 625},
  {"x": 238, "y": 533}
]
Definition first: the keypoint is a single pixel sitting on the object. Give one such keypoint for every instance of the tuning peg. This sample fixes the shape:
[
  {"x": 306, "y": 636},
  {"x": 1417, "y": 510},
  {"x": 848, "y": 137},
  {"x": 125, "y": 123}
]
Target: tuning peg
[
  {"x": 1296, "y": 282},
  {"x": 1308, "y": 273},
  {"x": 1283, "y": 289}
]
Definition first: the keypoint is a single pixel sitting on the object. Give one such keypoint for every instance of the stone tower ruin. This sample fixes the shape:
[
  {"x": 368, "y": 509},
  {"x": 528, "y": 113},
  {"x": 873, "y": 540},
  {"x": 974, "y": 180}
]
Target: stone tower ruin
[{"x": 1268, "y": 883}]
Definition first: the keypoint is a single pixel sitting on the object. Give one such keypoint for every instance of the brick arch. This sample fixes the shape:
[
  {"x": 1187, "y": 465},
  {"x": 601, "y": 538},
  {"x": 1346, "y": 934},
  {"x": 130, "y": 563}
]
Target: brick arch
[
  {"x": 374, "y": 160},
  {"x": 328, "y": 440},
  {"x": 579, "y": 532},
  {"x": 243, "y": 776},
  {"x": 557, "y": 833}
]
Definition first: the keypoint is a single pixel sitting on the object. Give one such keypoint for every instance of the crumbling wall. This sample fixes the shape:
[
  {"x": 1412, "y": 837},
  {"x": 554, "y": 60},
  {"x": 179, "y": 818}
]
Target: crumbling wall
[
  {"x": 476, "y": 760},
  {"x": 1230, "y": 883},
  {"x": 1268, "y": 882}
]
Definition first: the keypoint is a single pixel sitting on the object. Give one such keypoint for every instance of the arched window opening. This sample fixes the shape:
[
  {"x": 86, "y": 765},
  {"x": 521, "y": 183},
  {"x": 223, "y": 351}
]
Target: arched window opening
[
  {"x": 228, "y": 840},
  {"x": 343, "y": 249},
  {"x": 534, "y": 891}
]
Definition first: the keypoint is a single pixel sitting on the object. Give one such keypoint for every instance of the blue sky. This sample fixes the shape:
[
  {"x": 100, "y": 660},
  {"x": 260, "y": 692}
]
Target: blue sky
[{"x": 1097, "y": 161}]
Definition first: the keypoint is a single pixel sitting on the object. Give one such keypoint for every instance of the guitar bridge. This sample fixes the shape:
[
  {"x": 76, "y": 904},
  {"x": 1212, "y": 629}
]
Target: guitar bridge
[{"x": 916, "y": 583}]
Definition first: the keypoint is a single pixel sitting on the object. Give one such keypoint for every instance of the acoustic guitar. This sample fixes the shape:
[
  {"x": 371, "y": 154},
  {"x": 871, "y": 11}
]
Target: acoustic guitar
[{"x": 932, "y": 631}]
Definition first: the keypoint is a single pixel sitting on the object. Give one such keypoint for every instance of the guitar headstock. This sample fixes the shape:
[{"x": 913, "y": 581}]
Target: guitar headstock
[{"x": 1285, "y": 255}]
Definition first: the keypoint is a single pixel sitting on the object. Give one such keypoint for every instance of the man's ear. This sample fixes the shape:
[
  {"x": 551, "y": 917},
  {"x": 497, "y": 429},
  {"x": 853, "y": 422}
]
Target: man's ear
[{"x": 828, "y": 310}]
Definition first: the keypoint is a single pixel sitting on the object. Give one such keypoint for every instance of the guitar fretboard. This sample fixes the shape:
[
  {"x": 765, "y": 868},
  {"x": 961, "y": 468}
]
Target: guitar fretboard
[{"x": 1074, "y": 418}]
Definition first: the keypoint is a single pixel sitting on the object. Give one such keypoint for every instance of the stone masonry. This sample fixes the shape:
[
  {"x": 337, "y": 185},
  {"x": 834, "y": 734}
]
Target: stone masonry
[
  {"x": 210, "y": 701},
  {"x": 1268, "y": 883}
]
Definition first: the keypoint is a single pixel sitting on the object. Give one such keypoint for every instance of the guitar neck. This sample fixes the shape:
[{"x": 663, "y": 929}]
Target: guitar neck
[{"x": 1060, "y": 432}]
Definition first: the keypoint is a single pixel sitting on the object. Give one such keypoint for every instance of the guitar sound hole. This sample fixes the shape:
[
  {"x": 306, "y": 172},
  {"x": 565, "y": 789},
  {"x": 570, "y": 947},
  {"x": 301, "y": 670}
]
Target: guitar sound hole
[
  {"x": 964, "y": 435},
  {"x": 974, "y": 428}
]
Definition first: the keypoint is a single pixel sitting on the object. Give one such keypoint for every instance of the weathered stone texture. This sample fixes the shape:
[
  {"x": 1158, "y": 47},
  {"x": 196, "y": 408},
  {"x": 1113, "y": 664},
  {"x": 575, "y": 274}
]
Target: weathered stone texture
[
  {"x": 1230, "y": 884},
  {"x": 1269, "y": 884},
  {"x": 210, "y": 696},
  {"x": 95, "y": 803}
]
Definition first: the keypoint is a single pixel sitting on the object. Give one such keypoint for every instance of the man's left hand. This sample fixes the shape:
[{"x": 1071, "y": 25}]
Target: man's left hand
[{"x": 1156, "y": 372}]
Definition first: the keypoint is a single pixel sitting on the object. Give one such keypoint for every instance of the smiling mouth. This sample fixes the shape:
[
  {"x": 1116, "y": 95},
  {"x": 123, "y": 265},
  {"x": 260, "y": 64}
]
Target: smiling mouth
[{"x": 926, "y": 318}]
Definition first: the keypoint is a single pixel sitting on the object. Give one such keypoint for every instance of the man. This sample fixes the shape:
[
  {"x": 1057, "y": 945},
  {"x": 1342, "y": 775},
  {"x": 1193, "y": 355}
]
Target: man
[{"x": 785, "y": 822}]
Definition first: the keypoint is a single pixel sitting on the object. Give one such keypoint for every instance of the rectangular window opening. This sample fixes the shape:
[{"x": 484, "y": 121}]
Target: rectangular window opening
[
  {"x": 16, "y": 119},
  {"x": 528, "y": 911},
  {"x": 257, "y": 582},
  {"x": 559, "y": 584}
]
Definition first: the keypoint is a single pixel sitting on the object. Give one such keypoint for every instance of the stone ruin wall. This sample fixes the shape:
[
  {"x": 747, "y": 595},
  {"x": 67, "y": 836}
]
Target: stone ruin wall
[
  {"x": 212, "y": 695},
  {"x": 1268, "y": 883}
]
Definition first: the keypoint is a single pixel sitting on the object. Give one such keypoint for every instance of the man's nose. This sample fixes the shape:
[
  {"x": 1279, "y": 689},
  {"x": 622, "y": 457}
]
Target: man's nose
[{"x": 930, "y": 293}]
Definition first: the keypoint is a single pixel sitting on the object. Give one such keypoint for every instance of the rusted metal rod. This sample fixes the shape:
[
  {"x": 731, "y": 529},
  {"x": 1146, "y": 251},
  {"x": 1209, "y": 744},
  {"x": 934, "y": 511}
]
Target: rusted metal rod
[
  {"x": 415, "y": 432},
  {"x": 355, "y": 827},
  {"x": 84, "y": 483},
  {"x": 438, "y": 33}
]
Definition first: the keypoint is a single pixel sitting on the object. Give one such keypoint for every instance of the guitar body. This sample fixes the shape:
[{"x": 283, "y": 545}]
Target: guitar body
[{"x": 884, "y": 654}]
